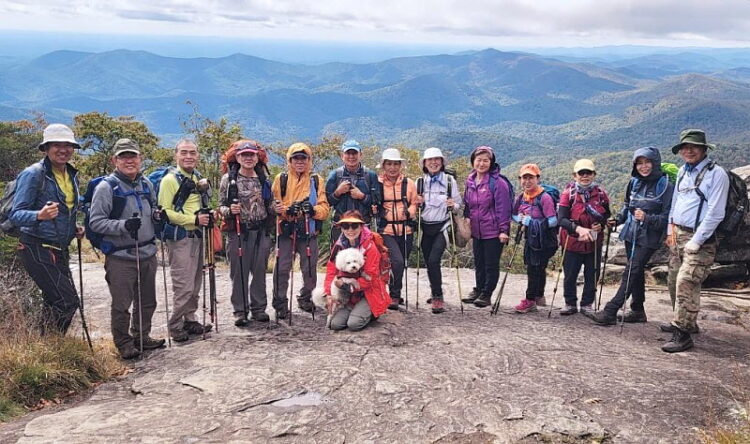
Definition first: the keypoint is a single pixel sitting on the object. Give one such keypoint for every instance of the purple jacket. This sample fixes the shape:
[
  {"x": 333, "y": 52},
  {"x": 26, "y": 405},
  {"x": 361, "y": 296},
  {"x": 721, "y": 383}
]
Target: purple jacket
[{"x": 489, "y": 214}]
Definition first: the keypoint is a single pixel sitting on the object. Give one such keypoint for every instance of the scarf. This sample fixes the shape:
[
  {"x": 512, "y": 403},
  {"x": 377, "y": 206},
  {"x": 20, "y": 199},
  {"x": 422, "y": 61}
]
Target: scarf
[{"x": 529, "y": 196}]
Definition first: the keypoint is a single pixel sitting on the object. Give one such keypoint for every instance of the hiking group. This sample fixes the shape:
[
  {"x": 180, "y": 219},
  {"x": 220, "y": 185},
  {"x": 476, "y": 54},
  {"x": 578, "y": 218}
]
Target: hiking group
[{"x": 381, "y": 216}]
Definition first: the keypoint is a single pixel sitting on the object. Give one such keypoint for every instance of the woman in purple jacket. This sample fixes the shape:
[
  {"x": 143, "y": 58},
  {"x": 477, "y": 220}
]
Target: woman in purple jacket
[{"x": 488, "y": 199}]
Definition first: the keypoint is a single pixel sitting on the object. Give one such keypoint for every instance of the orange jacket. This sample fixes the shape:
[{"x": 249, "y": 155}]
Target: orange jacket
[
  {"x": 298, "y": 185},
  {"x": 393, "y": 204}
]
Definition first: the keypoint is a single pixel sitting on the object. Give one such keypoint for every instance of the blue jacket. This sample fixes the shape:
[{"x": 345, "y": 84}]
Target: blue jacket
[
  {"x": 364, "y": 179},
  {"x": 36, "y": 186}
]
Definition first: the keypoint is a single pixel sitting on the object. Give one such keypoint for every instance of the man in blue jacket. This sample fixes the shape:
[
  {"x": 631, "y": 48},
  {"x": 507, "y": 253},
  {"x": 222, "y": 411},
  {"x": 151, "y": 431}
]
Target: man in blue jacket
[{"x": 45, "y": 207}]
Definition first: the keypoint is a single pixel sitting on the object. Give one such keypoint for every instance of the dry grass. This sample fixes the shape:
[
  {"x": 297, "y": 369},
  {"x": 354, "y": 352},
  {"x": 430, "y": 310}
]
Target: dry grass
[{"x": 734, "y": 428}]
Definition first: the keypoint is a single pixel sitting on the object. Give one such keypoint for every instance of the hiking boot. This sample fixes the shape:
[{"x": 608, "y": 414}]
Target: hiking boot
[
  {"x": 129, "y": 351},
  {"x": 569, "y": 310},
  {"x": 633, "y": 317},
  {"x": 587, "y": 310},
  {"x": 394, "y": 304},
  {"x": 603, "y": 318},
  {"x": 541, "y": 301},
  {"x": 484, "y": 300},
  {"x": 282, "y": 313},
  {"x": 525, "y": 306},
  {"x": 437, "y": 306},
  {"x": 195, "y": 328},
  {"x": 149, "y": 343},
  {"x": 669, "y": 328},
  {"x": 473, "y": 296},
  {"x": 305, "y": 304},
  {"x": 680, "y": 341},
  {"x": 260, "y": 316},
  {"x": 180, "y": 336},
  {"x": 240, "y": 319}
]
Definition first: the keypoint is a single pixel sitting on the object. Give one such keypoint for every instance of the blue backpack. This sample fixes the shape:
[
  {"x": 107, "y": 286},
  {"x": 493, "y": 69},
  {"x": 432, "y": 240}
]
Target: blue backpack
[{"x": 119, "y": 199}]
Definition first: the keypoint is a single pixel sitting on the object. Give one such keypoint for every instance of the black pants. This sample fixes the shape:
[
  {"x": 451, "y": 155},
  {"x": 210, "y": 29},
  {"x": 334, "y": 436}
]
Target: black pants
[
  {"x": 433, "y": 248},
  {"x": 572, "y": 264},
  {"x": 396, "y": 247},
  {"x": 50, "y": 270},
  {"x": 636, "y": 286},
  {"x": 487, "y": 254},
  {"x": 536, "y": 274}
]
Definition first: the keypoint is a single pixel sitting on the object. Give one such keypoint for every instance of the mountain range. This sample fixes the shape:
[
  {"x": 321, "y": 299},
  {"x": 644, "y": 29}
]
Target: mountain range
[{"x": 520, "y": 102}]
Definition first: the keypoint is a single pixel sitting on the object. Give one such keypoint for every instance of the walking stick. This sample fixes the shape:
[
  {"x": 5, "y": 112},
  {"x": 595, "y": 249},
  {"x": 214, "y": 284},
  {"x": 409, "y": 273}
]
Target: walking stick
[
  {"x": 212, "y": 273},
  {"x": 309, "y": 256},
  {"x": 517, "y": 244},
  {"x": 238, "y": 230},
  {"x": 291, "y": 269},
  {"x": 455, "y": 261},
  {"x": 134, "y": 235},
  {"x": 557, "y": 281},
  {"x": 630, "y": 269},
  {"x": 166, "y": 298},
  {"x": 276, "y": 261},
  {"x": 604, "y": 268},
  {"x": 406, "y": 266},
  {"x": 419, "y": 247},
  {"x": 80, "y": 305},
  {"x": 205, "y": 265}
]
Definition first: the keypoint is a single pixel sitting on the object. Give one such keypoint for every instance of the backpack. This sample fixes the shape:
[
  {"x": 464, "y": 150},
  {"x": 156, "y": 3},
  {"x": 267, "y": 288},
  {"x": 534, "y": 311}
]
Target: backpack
[
  {"x": 119, "y": 199},
  {"x": 385, "y": 258},
  {"x": 492, "y": 180},
  {"x": 6, "y": 207},
  {"x": 382, "y": 222},
  {"x": 635, "y": 184},
  {"x": 367, "y": 177},
  {"x": 538, "y": 236},
  {"x": 670, "y": 170},
  {"x": 737, "y": 201}
]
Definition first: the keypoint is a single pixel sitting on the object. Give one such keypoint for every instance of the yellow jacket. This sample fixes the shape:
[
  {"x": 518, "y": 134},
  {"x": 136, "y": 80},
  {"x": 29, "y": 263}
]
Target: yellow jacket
[{"x": 167, "y": 189}]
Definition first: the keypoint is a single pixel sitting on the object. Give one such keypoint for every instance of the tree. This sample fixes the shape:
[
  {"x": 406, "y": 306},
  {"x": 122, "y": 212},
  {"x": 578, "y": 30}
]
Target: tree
[{"x": 18, "y": 141}]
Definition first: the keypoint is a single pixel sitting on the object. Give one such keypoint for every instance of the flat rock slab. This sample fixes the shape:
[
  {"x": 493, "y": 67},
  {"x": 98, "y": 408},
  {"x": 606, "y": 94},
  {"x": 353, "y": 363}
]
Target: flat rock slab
[{"x": 410, "y": 377}]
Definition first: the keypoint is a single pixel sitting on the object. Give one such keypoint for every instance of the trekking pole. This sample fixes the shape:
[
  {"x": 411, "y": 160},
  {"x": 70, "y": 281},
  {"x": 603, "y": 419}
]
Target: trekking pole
[
  {"x": 309, "y": 256},
  {"x": 276, "y": 261},
  {"x": 213, "y": 309},
  {"x": 455, "y": 260},
  {"x": 238, "y": 230},
  {"x": 205, "y": 265},
  {"x": 134, "y": 235},
  {"x": 630, "y": 269},
  {"x": 291, "y": 269},
  {"x": 166, "y": 298},
  {"x": 557, "y": 281},
  {"x": 517, "y": 244},
  {"x": 80, "y": 305},
  {"x": 604, "y": 268},
  {"x": 406, "y": 266},
  {"x": 419, "y": 246}
]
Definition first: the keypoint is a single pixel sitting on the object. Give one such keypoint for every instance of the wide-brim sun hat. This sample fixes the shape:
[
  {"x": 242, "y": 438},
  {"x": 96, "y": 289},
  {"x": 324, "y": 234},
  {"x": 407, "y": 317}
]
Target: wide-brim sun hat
[
  {"x": 351, "y": 220},
  {"x": 431, "y": 153},
  {"x": 390, "y": 154},
  {"x": 694, "y": 137},
  {"x": 57, "y": 132}
]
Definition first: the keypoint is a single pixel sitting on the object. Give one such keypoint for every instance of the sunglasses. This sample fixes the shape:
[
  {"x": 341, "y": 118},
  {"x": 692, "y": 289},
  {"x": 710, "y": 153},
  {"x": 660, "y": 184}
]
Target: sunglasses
[
  {"x": 247, "y": 154},
  {"x": 299, "y": 158},
  {"x": 585, "y": 173},
  {"x": 349, "y": 226}
]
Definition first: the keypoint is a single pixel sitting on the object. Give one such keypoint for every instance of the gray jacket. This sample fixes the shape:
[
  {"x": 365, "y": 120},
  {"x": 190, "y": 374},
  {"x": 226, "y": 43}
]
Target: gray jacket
[{"x": 114, "y": 229}]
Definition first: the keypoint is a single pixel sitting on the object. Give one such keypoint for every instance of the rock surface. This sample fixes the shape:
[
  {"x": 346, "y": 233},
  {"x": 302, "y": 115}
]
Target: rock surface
[{"x": 410, "y": 377}]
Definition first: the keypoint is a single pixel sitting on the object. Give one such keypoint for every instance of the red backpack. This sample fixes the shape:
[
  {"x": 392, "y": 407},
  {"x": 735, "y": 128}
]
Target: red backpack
[{"x": 385, "y": 258}]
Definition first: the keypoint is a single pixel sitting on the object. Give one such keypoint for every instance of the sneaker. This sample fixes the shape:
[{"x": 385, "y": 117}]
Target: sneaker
[
  {"x": 437, "y": 306},
  {"x": 633, "y": 317},
  {"x": 305, "y": 304},
  {"x": 180, "y": 336},
  {"x": 603, "y": 318},
  {"x": 541, "y": 301},
  {"x": 484, "y": 300},
  {"x": 129, "y": 351},
  {"x": 195, "y": 328},
  {"x": 473, "y": 296},
  {"x": 569, "y": 310},
  {"x": 680, "y": 341},
  {"x": 525, "y": 306},
  {"x": 394, "y": 304},
  {"x": 240, "y": 319},
  {"x": 587, "y": 310},
  {"x": 149, "y": 343},
  {"x": 669, "y": 328},
  {"x": 260, "y": 316}
]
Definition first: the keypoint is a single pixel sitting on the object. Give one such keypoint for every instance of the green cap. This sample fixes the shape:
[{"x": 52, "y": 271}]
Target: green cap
[{"x": 693, "y": 136}]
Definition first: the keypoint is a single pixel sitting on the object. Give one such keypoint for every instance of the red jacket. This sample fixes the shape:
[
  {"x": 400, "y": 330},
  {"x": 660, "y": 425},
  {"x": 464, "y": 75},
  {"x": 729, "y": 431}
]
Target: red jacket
[
  {"x": 375, "y": 291},
  {"x": 575, "y": 204}
]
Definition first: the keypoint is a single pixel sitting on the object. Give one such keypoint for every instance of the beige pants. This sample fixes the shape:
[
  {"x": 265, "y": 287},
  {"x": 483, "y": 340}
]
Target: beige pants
[
  {"x": 687, "y": 271},
  {"x": 186, "y": 265}
]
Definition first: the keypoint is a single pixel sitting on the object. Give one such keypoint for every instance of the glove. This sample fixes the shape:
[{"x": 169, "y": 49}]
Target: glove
[
  {"x": 294, "y": 209},
  {"x": 306, "y": 207},
  {"x": 692, "y": 247},
  {"x": 133, "y": 225},
  {"x": 526, "y": 220}
]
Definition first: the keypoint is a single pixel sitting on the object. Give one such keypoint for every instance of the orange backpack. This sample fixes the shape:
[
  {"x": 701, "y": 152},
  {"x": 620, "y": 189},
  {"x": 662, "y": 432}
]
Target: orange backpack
[{"x": 385, "y": 258}]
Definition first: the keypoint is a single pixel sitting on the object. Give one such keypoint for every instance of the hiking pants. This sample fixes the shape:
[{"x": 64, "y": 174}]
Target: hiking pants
[
  {"x": 283, "y": 268},
  {"x": 687, "y": 271},
  {"x": 396, "y": 246},
  {"x": 487, "y": 254},
  {"x": 572, "y": 264},
  {"x": 121, "y": 276},
  {"x": 186, "y": 266},
  {"x": 432, "y": 252},
  {"x": 49, "y": 267},
  {"x": 536, "y": 275},
  {"x": 355, "y": 318},
  {"x": 636, "y": 286},
  {"x": 256, "y": 247}
]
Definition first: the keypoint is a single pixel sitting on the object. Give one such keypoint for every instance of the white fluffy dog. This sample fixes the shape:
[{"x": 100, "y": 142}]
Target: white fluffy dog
[{"x": 349, "y": 263}]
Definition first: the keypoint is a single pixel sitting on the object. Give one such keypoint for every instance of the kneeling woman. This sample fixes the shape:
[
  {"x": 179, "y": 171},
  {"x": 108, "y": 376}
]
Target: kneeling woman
[{"x": 372, "y": 298}]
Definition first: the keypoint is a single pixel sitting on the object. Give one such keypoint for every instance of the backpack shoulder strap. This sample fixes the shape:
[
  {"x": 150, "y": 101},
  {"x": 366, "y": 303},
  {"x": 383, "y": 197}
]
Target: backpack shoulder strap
[
  {"x": 420, "y": 185},
  {"x": 284, "y": 181}
]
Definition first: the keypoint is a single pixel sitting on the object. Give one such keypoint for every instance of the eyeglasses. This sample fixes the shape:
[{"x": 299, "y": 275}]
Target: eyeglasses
[
  {"x": 350, "y": 226},
  {"x": 585, "y": 173}
]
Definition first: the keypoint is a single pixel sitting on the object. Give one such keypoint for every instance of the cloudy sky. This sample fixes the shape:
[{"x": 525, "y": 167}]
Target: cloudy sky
[{"x": 470, "y": 22}]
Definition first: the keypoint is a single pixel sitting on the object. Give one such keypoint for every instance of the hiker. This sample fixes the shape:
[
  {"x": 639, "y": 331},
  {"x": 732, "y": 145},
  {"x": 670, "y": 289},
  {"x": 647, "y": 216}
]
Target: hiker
[
  {"x": 124, "y": 218},
  {"x": 691, "y": 234},
  {"x": 302, "y": 207},
  {"x": 396, "y": 216},
  {"x": 180, "y": 198},
  {"x": 488, "y": 198},
  {"x": 645, "y": 212},
  {"x": 583, "y": 211},
  {"x": 45, "y": 208},
  {"x": 246, "y": 193},
  {"x": 439, "y": 195},
  {"x": 352, "y": 187},
  {"x": 371, "y": 300},
  {"x": 535, "y": 210}
]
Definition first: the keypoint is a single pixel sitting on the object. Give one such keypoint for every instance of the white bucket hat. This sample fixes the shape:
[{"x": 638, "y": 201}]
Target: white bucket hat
[
  {"x": 431, "y": 153},
  {"x": 390, "y": 154},
  {"x": 57, "y": 132}
]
